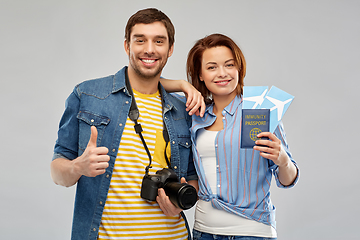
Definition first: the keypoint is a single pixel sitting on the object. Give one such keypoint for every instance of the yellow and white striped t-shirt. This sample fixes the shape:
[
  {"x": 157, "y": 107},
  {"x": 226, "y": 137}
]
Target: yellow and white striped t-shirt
[{"x": 126, "y": 215}]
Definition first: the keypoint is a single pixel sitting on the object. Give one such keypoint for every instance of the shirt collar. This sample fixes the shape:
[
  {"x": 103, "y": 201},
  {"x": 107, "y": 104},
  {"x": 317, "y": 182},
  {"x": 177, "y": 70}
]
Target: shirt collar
[
  {"x": 230, "y": 109},
  {"x": 235, "y": 103},
  {"x": 119, "y": 80},
  {"x": 119, "y": 84},
  {"x": 168, "y": 103}
]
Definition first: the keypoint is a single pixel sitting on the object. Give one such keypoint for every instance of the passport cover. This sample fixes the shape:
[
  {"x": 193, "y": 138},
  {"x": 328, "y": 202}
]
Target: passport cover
[{"x": 254, "y": 121}]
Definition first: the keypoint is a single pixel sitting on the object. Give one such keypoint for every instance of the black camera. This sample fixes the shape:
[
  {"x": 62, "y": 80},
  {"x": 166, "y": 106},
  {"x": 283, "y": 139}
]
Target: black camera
[{"x": 182, "y": 195}]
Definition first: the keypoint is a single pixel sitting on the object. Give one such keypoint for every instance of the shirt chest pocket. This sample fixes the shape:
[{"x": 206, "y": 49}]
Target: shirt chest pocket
[
  {"x": 184, "y": 141},
  {"x": 184, "y": 145},
  {"x": 86, "y": 120}
]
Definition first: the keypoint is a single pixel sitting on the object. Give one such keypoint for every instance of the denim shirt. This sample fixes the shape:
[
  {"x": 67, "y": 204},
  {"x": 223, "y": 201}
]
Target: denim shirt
[{"x": 105, "y": 103}]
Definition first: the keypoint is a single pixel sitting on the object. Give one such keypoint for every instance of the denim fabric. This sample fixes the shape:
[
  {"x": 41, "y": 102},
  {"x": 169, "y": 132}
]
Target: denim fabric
[
  {"x": 105, "y": 103},
  {"x": 207, "y": 236}
]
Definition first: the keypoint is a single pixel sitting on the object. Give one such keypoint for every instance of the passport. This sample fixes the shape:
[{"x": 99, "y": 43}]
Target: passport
[{"x": 254, "y": 121}]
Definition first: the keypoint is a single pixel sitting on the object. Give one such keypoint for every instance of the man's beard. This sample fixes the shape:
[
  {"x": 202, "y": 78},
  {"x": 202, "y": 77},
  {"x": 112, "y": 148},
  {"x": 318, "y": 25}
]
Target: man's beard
[
  {"x": 144, "y": 75},
  {"x": 134, "y": 64}
]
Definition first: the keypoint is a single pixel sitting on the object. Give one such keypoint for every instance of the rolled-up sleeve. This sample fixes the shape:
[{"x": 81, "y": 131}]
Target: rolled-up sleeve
[{"x": 68, "y": 134}]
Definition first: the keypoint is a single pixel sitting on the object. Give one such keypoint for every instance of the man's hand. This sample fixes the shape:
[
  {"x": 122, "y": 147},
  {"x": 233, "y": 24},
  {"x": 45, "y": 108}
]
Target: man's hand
[
  {"x": 94, "y": 160},
  {"x": 166, "y": 205}
]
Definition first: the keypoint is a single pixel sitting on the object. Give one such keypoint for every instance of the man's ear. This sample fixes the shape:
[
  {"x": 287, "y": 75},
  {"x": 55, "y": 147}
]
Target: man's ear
[
  {"x": 171, "y": 50},
  {"x": 127, "y": 47}
]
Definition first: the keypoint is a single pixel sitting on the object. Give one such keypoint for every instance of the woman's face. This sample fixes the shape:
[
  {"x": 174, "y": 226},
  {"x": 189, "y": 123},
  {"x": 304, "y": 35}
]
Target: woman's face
[{"x": 219, "y": 73}]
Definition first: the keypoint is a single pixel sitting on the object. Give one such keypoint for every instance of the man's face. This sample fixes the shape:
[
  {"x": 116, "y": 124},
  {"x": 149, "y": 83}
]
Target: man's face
[{"x": 148, "y": 49}]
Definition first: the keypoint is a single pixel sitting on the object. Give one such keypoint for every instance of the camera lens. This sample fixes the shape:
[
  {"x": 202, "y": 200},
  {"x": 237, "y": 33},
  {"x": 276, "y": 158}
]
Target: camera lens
[
  {"x": 187, "y": 197},
  {"x": 182, "y": 195}
]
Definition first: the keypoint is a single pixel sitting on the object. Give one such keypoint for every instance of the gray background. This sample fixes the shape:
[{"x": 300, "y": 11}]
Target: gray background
[{"x": 308, "y": 48}]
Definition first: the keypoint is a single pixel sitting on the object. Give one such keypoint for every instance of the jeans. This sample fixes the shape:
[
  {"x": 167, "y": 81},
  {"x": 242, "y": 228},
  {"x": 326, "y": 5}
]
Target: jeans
[{"x": 208, "y": 236}]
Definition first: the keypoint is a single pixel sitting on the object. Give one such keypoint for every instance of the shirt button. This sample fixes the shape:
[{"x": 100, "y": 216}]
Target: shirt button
[
  {"x": 127, "y": 102},
  {"x": 100, "y": 202},
  {"x": 216, "y": 145},
  {"x": 223, "y": 117},
  {"x": 175, "y": 167},
  {"x": 173, "y": 142},
  {"x": 165, "y": 117},
  {"x": 217, "y": 166},
  {"x": 94, "y": 229},
  {"x": 187, "y": 143},
  {"x": 92, "y": 120},
  {"x": 120, "y": 124},
  {"x": 114, "y": 150},
  {"x": 218, "y": 186},
  {"x": 107, "y": 175}
]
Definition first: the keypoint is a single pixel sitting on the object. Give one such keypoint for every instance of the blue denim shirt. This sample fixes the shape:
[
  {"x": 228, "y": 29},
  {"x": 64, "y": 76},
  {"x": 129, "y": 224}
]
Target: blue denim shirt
[{"x": 105, "y": 103}]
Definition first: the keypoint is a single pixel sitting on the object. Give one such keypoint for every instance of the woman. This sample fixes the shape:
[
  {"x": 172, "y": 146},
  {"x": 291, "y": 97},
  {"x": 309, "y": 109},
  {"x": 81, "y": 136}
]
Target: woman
[{"x": 234, "y": 184}]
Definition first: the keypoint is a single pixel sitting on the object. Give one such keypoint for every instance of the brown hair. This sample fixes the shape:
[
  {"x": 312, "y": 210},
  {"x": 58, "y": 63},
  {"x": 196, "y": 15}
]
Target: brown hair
[
  {"x": 147, "y": 16},
  {"x": 193, "y": 65}
]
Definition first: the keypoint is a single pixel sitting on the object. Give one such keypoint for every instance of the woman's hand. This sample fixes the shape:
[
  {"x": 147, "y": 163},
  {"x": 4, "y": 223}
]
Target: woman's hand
[
  {"x": 272, "y": 149},
  {"x": 195, "y": 103}
]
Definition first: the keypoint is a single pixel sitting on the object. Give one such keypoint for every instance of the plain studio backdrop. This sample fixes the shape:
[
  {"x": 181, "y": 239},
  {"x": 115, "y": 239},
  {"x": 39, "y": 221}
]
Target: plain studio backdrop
[{"x": 307, "y": 48}]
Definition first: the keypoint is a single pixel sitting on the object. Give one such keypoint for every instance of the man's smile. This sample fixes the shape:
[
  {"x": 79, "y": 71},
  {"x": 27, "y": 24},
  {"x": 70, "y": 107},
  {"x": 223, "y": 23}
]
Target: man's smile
[{"x": 148, "y": 61}]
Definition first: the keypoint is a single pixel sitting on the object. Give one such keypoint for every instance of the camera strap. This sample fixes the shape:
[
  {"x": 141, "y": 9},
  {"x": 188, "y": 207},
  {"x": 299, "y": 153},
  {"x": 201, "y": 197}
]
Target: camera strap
[{"x": 134, "y": 116}]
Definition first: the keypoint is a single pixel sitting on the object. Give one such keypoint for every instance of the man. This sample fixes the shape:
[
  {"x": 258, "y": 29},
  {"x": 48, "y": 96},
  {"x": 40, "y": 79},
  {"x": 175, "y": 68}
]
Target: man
[{"x": 98, "y": 148}]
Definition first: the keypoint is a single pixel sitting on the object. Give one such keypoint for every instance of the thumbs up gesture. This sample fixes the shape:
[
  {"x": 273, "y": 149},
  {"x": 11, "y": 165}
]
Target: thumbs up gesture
[{"x": 94, "y": 160}]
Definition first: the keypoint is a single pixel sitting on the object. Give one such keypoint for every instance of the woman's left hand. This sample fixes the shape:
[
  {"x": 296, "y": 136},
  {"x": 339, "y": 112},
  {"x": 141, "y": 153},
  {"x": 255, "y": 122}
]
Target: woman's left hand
[
  {"x": 271, "y": 149},
  {"x": 195, "y": 103}
]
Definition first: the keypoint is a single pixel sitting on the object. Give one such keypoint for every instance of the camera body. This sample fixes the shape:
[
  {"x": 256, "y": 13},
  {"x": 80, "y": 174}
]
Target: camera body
[{"x": 182, "y": 195}]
